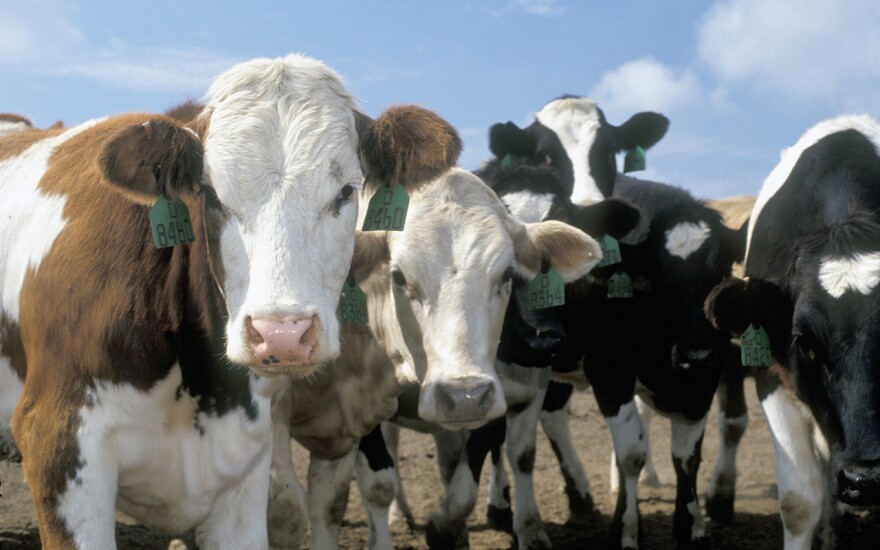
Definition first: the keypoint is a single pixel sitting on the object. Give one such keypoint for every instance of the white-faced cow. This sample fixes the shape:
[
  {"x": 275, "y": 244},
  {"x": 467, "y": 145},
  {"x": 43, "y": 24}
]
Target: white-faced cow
[
  {"x": 812, "y": 271},
  {"x": 137, "y": 368},
  {"x": 436, "y": 293},
  {"x": 640, "y": 328}
]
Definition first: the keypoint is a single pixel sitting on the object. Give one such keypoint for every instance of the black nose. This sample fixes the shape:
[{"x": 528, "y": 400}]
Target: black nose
[
  {"x": 859, "y": 483},
  {"x": 548, "y": 340}
]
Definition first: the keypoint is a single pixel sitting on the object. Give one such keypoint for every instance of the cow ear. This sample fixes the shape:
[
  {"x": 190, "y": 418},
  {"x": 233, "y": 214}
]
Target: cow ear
[
  {"x": 641, "y": 130},
  {"x": 508, "y": 138},
  {"x": 736, "y": 303},
  {"x": 370, "y": 252},
  {"x": 613, "y": 216},
  {"x": 156, "y": 157},
  {"x": 407, "y": 145},
  {"x": 570, "y": 251}
]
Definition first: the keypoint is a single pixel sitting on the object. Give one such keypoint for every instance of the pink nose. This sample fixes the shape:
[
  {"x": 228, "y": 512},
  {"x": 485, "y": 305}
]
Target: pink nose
[{"x": 283, "y": 341}]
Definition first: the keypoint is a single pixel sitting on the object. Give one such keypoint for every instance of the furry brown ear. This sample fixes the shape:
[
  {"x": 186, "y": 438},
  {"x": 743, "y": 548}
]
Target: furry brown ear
[
  {"x": 406, "y": 144},
  {"x": 156, "y": 157}
]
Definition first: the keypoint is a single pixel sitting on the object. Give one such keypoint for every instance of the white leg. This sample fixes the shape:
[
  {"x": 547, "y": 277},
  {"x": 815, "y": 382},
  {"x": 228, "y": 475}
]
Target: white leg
[
  {"x": 87, "y": 508},
  {"x": 446, "y": 528},
  {"x": 377, "y": 481},
  {"x": 329, "y": 482},
  {"x": 799, "y": 478},
  {"x": 649, "y": 473},
  {"x": 288, "y": 512},
  {"x": 521, "y": 429},
  {"x": 630, "y": 448}
]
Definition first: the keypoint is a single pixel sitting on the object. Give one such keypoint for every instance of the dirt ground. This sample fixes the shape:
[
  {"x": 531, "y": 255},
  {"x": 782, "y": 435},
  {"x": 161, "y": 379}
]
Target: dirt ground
[{"x": 756, "y": 522}]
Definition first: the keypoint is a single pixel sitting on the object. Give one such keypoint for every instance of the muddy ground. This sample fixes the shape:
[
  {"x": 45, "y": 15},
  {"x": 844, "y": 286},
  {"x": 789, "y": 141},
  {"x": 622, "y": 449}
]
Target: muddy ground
[{"x": 756, "y": 522}]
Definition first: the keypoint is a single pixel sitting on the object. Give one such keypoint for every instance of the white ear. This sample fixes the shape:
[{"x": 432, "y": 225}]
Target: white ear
[{"x": 572, "y": 253}]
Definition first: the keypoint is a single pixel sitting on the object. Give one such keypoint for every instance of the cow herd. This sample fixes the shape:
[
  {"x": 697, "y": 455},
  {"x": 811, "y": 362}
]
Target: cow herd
[{"x": 182, "y": 294}]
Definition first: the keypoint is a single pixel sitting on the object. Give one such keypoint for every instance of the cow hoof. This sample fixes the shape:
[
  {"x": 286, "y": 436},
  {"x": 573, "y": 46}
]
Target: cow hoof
[
  {"x": 287, "y": 524},
  {"x": 536, "y": 540},
  {"x": 437, "y": 539},
  {"x": 719, "y": 507},
  {"x": 580, "y": 507},
  {"x": 500, "y": 519},
  {"x": 701, "y": 543}
]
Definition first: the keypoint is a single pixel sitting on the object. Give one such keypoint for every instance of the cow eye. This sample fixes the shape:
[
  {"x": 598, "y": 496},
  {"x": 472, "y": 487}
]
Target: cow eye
[
  {"x": 507, "y": 276},
  {"x": 398, "y": 278},
  {"x": 343, "y": 197}
]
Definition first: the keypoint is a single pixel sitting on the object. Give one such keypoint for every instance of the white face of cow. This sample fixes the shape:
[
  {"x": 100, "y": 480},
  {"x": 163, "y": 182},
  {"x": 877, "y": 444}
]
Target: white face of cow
[
  {"x": 576, "y": 122},
  {"x": 281, "y": 153},
  {"x": 450, "y": 274}
]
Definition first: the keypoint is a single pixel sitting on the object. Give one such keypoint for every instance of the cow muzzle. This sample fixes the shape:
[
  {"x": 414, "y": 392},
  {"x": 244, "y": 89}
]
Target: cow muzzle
[
  {"x": 281, "y": 345},
  {"x": 462, "y": 402},
  {"x": 859, "y": 483}
]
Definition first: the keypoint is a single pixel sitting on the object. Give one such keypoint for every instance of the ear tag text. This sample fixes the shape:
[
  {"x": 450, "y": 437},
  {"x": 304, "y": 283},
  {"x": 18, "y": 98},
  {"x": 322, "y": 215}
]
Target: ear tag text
[
  {"x": 352, "y": 303},
  {"x": 635, "y": 160},
  {"x": 547, "y": 289},
  {"x": 620, "y": 286},
  {"x": 387, "y": 209},
  {"x": 610, "y": 251},
  {"x": 171, "y": 224},
  {"x": 755, "y": 347}
]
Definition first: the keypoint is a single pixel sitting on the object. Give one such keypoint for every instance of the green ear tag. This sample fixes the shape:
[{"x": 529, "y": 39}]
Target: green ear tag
[
  {"x": 755, "y": 347},
  {"x": 507, "y": 161},
  {"x": 547, "y": 290},
  {"x": 635, "y": 160},
  {"x": 620, "y": 286},
  {"x": 352, "y": 304},
  {"x": 610, "y": 251},
  {"x": 387, "y": 209},
  {"x": 171, "y": 223}
]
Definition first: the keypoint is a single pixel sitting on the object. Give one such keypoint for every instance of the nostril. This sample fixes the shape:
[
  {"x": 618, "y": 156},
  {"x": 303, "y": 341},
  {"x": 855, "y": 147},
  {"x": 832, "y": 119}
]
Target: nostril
[
  {"x": 253, "y": 335},
  {"x": 445, "y": 399}
]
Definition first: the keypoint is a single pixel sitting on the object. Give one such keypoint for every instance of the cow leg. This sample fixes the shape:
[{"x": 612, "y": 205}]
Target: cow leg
[
  {"x": 399, "y": 506},
  {"x": 733, "y": 419},
  {"x": 72, "y": 480},
  {"x": 499, "y": 512},
  {"x": 687, "y": 442},
  {"x": 377, "y": 481},
  {"x": 238, "y": 517},
  {"x": 799, "y": 477},
  {"x": 329, "y": 483},
  {"x": 446, "y": 528},
  {"x": 522, "y": 426},
  {"x": 649, "y": 473},
  {"x": 630, "y": 447},
  {"x": 288, "y": 512},
  {"x": 554, "y": 421}
]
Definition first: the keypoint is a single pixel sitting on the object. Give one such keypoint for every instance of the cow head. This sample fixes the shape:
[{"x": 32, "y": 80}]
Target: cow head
[
  {"x": 572, "y": 135},
  {"x": 824, "y": 331},
  {"x": 536, "y": 337},
  {"x": 446, "y": 280},
  {"x": 284, "y": 154}
]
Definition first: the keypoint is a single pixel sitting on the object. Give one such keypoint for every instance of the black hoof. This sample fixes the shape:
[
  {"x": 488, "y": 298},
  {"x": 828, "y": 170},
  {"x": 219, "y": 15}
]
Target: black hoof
[
  {"x": 580, "y": 507},
  {"x": 701, "y": 543},
  {"x": 720, "y": 508},
  {"x": 500, "y": 519},
  {"x": 445, "y": 540}
]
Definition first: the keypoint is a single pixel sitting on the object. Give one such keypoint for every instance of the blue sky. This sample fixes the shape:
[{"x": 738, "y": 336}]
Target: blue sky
[{"x": 739, "y": 79}]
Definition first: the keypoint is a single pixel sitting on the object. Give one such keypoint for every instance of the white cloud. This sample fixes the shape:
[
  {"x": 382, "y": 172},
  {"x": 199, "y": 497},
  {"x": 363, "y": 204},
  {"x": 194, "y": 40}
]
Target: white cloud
[
  {"x": 645, "y": 84},
  {"x": 539, "y": 7},
  {"x": 803, "y": 49},
  {"x": 31, "y": 32}
]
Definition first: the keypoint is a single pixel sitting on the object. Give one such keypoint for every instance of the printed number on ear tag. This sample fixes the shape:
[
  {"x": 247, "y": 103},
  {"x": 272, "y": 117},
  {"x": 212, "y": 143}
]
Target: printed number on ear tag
[
  {"x": 352, "y": 304},
  {"x": 610, "y": 251},
  {"x": 170, "y": 221},
  {"x": 547, "y": 290},
  {"x": 755, "y": 347},
  {"x": 620, "y": 286},
  {"x": 635, "y": 160},
  {"x": 387, "y": 209}
]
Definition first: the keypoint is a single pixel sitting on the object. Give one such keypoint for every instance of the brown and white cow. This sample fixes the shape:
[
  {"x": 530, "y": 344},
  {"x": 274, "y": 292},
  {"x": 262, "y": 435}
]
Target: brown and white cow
[
  {"x": 437, "y": 293},
  {"x": 140, "y": 370}
]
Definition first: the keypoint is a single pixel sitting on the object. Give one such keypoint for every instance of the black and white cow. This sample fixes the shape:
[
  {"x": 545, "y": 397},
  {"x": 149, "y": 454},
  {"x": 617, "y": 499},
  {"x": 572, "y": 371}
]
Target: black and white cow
[
  {"x": 656, "y": 343},
  {"x": 811, "y": 274}
]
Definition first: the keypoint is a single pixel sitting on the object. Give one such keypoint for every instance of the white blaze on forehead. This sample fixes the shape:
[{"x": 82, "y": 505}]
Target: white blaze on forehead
[
  {"x": 686, "y": 238},
  {"x": 860, "y": 273},
  {"x": 29, "y": 220},
  {"x": 529, "y": 207},
  {"x": 863, "y": 124},
  {"x": 576, "y": 122}
]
